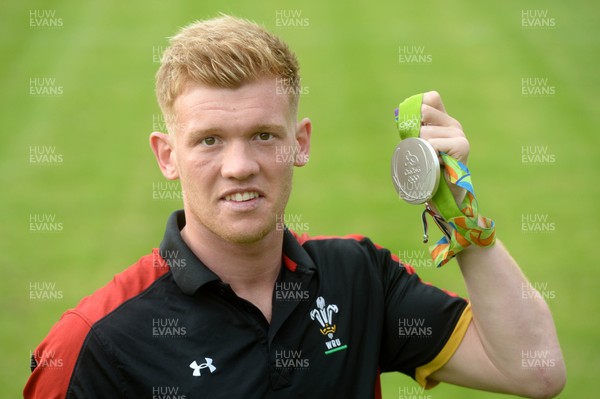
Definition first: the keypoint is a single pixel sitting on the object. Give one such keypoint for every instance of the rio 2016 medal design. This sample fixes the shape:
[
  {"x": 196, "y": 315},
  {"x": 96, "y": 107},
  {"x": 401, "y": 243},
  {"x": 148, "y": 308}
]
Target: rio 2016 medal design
[
  {"x": 416, "y": 175},
  {"x": 415, "y": 170}
]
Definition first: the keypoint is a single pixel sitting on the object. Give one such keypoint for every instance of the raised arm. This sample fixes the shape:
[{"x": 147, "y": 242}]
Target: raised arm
[{"x": 511, "y": 345}]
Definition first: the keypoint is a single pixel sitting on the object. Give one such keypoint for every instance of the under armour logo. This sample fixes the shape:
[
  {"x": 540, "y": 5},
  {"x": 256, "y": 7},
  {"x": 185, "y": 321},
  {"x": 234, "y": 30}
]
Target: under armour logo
[{"x": 197, "y": 367}]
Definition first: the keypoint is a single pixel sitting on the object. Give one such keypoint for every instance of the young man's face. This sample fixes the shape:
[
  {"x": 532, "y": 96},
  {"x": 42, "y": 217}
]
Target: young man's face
[{"x": 233, "y": 150}]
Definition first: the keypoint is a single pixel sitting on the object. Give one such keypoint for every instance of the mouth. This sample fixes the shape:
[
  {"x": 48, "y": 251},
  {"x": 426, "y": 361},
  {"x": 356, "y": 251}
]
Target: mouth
[
  {"x": 242, "y": 200},
  {"x": 242, "y": 196}
]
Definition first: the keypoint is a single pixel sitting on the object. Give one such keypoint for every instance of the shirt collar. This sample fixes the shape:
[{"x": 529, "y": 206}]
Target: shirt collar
[{"x": 190, "y": 273}]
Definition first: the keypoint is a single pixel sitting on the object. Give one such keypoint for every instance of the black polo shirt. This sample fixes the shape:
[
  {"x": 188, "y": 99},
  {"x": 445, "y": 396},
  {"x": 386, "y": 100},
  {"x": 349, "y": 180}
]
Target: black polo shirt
[{"x": 344, "y": 310}]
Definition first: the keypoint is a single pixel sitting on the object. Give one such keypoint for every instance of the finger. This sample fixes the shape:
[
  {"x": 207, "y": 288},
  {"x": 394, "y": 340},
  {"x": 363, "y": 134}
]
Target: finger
[
  {"x": 440, "y": 132},
  {"x": 433, "y": 99},
  {"x": 433, "y": 116},
  {"x": 456, "y": 147}
]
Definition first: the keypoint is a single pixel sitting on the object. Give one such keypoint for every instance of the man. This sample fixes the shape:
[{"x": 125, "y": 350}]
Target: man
[{"x": 234, "y": 306}]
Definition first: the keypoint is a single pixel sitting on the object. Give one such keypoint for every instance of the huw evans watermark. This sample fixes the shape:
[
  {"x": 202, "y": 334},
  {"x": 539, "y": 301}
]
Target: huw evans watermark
[
  {"x": 537, "y": 223},
  {"x": 414, "y": 327},
  {"x": 45, "y": 155},
  {"x": 45, "y": 87},
  {"x": 171, "y": 256},
  {"x": 537, "y": 155},
  {"x": 291, "y": 19},
  {"x": 537, "y": 19},
  {"x": 537, "y": 359},
  {"x": 157, "y": 54},
  {"x": 537, "y": 87},
  {"x": 47, "y": 359},
  {"x": 291, "y": 359},
  {"x": 44, "y": 223},
  {"x": 412, "y": 392},
  {"x": 45, "y": 19},
  {"x": 536, "y": 290},
  {"x": 292, "y": 291},
  {"x": 289, "y": 154},
  {"x": 167, "y": 190},
  {"x": 415, "y": 258},
  {"x": 292, "y": 221},
  {"x": 167, "y": 392},
  {"x": 289, "y": 86},
  {"x": 165, "y": 123},
  {"x": 161, "y": 55},
  {"x": 44, "y": 291},
  {"x": 411, "y": 54},
  {"x": 168, "y": 327}
]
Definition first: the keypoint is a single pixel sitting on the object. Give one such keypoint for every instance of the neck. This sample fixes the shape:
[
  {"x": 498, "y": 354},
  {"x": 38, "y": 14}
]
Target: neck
[{"x": 251, "y": 267}]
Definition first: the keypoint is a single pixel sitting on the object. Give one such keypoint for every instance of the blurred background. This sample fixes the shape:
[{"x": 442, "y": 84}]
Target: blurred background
[{"x": 83, "y": 197}]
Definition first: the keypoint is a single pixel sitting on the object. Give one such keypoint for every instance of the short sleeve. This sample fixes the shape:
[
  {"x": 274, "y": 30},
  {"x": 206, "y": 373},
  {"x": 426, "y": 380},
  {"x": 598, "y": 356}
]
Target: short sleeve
[
  {"x": 53, "y": 361},
  {"x": 71, "y": 363},
  {"x": 423, "y": 325}
]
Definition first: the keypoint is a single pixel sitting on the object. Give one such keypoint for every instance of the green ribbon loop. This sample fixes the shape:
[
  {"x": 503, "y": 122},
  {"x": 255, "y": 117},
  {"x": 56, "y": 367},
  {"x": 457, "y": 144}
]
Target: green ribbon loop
[
  {"x": 464, "y": 220},
  {"x": 408, "y": 118}
]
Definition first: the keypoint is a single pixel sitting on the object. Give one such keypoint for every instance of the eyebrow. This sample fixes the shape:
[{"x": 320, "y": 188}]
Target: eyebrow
[
  {"x": 270, "y": 128},
  {"x": 254, "y": 129}
]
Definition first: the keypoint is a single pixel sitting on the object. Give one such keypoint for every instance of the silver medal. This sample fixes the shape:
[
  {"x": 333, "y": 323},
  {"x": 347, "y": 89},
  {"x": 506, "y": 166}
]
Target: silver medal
[{"x": 415, "y": 170}]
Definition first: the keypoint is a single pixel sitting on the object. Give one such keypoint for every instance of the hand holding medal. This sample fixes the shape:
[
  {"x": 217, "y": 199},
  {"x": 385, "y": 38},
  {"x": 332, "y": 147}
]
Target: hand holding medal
[{"x": 426, "y": 130}]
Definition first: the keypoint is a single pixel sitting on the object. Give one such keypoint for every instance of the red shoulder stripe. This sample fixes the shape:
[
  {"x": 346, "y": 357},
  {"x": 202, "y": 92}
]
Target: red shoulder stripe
[
  {"x": 409, "y": 269},
  {"x": 57, "y": 354},
  {"x": 305, "y": 237}
]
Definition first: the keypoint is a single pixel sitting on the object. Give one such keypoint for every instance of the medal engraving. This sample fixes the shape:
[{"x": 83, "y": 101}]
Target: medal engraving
[{"x": 415, "y": 170}]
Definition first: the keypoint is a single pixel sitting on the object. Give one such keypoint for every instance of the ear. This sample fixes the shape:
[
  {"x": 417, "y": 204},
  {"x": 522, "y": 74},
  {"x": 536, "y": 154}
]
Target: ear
[
  {"x": 303, "y": 131},
  {"x": 162, "y": 147}
]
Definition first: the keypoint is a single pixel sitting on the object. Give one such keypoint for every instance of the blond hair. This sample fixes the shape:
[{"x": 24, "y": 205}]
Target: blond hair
[{"x": 224, "y": 52}]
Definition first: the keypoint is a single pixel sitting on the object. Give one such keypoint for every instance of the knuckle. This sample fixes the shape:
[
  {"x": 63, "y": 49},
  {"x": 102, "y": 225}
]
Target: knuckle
[
  {"x": 434, "y": 95},
  {"x": 459, "y": 130},
  {"x": 425, "y": 132},
  {"x": 425, "y": 113}
]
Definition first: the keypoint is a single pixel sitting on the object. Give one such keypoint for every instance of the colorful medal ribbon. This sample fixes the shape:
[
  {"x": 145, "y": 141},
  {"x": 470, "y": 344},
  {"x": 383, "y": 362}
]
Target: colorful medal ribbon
[{"x": 463, "y": 220}]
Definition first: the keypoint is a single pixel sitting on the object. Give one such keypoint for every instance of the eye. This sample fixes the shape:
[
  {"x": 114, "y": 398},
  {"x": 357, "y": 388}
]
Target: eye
[
  {"x": 264, "y": 136},
  {"x": 209, "y": 141}
]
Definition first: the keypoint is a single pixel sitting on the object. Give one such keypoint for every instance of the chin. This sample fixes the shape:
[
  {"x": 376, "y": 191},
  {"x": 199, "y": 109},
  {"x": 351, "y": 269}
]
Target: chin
[{"x": 246, "y": 235}]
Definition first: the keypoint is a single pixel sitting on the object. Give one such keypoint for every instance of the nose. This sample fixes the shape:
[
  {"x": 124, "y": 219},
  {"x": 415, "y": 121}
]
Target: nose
[{"x": 239, "y": 162}]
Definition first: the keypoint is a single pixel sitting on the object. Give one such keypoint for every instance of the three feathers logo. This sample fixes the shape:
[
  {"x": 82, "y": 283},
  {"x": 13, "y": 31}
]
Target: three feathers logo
[{"x": 323, "y": 314}]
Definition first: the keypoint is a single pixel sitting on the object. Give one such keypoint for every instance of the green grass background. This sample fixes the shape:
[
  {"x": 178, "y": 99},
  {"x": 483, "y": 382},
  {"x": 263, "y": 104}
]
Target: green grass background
[{"x": 102, "y": 192}]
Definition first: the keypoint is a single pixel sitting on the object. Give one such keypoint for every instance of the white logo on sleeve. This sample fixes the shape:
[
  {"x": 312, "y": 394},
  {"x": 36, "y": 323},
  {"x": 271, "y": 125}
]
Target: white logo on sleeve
[{"x": 197, "y": 367}]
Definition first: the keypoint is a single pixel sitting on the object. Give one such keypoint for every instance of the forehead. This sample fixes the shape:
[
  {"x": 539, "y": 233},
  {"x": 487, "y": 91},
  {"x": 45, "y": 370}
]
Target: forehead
[{"x": 202, "y": 107}]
